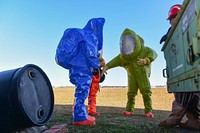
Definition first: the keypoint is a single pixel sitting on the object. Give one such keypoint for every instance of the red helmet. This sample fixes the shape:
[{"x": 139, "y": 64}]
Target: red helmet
[{"x": 174, "y": 10}]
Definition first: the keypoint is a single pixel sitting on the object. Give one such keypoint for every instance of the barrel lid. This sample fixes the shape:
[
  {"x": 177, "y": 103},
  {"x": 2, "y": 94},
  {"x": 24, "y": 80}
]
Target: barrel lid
[{"x": 35, "y": 94}]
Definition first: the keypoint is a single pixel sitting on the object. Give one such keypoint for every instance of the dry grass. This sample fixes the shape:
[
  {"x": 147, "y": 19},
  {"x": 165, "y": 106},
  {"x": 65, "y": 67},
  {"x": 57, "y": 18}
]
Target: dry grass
[
  {"x": 116, "y": 97},
  {"x": 111, "y": 103}
]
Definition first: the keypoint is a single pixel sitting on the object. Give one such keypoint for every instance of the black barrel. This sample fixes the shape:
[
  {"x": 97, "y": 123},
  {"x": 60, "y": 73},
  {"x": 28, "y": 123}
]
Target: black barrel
[{"x": 26, "y": 98}]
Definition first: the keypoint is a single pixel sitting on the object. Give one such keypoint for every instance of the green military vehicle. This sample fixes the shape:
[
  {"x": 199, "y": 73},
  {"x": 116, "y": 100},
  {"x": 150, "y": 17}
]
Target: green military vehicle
[{"x": 182, "y": 50}]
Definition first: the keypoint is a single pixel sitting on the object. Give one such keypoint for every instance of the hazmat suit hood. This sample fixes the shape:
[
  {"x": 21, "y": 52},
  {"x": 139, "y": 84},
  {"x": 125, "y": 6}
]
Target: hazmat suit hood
[
  {"x": 95, "y": 26},
  {"x": 89, "y": 39},
  {"x": 130, "y": 44}
]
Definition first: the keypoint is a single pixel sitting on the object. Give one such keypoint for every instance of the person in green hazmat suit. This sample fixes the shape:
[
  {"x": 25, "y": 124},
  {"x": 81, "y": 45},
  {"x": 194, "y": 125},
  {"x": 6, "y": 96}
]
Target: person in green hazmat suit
[{"x": 136, "y": 59}]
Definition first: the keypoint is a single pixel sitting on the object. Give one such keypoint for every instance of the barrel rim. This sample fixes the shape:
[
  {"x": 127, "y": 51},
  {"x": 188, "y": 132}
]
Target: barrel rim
[{"x": 18, "y": 106}]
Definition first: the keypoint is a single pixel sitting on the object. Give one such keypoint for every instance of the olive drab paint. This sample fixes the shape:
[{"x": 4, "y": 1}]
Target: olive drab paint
[{"x": 182, "y": 50}]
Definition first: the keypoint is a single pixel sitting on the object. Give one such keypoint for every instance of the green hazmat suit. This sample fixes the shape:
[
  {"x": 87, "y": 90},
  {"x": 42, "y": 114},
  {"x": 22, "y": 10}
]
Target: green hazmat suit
[{"x": 136, "y": 59}]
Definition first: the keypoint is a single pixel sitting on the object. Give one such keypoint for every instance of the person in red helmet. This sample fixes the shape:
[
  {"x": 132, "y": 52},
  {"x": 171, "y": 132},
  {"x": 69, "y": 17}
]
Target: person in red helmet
[
  {"x": 171, "y": 17},
  {"x": 94, "y": 88},
  {"x": 174, "y": 11},
  {"x": 181, "y": 106}
]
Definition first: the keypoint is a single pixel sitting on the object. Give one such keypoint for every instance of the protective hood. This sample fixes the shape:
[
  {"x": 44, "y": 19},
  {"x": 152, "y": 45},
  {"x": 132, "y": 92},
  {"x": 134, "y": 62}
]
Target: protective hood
[
  {"x": 95, "y": 26},
  {"x": 130, "y": 43},
  {"x": 89, "y": 40}
]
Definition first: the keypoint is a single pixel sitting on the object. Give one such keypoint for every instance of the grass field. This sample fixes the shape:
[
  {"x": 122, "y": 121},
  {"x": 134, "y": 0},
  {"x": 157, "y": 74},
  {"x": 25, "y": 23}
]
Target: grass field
[{"x": 111, "y": 103}]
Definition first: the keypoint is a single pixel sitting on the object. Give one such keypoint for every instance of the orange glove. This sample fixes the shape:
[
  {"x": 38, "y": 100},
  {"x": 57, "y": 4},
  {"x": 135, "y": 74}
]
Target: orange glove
[
  {"x": 102, "y": 62},
  {"x": 105, "y": 68}
]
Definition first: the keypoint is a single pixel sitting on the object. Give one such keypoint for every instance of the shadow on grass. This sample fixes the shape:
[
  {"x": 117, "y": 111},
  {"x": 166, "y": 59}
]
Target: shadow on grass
[{"x": 111, "y": 120}]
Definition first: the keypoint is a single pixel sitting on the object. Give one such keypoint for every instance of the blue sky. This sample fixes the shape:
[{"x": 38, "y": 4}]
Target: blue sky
[{"x": 31, "y": 30}]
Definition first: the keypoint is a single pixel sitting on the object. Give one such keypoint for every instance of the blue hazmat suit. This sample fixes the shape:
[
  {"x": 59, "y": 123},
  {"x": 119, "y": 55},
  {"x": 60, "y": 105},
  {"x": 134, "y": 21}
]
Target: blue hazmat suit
[{"x": 77, "y": 51}]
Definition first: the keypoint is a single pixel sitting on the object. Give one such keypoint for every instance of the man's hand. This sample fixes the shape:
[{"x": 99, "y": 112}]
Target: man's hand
[{"x": 163, "y": 39}]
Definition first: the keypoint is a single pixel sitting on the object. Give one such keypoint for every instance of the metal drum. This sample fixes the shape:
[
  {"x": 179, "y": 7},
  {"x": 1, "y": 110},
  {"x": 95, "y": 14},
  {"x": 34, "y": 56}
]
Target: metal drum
[{"x": 26, "y": 98}]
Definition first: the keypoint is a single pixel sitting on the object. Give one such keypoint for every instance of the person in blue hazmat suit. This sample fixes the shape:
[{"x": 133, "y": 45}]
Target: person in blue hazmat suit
[{"x": 78, "y": 51}]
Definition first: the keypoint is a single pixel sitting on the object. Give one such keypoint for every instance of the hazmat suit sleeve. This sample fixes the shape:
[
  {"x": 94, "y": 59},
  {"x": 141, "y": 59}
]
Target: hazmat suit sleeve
[
  {"x": 90, "y": 52},
  {"x": 115, "y": 62},
  {"x": 151, "y": 54}
]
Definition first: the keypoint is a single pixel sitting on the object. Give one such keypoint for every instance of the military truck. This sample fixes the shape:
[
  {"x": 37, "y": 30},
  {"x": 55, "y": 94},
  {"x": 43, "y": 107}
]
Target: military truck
[{"x": 182, "y": 50}]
